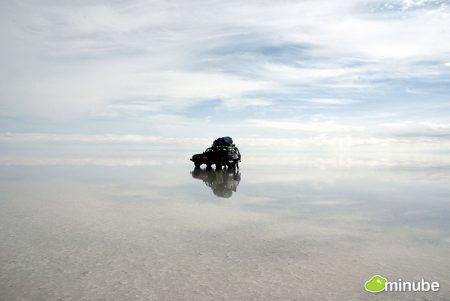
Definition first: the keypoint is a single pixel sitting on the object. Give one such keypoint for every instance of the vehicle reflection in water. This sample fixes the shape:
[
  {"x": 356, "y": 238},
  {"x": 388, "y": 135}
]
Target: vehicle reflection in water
[{"x": 222, "y": 182}]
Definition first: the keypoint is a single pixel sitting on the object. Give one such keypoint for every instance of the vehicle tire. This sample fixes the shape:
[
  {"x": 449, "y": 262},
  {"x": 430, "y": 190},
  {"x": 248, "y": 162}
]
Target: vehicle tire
[
  {"x": 218, "y": 166},
  {"x": 208, "y": 166},
  {"x": 197, "y": 164}
]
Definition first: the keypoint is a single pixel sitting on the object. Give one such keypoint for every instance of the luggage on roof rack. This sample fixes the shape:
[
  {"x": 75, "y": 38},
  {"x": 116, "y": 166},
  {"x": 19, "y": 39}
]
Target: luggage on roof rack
[{"x": 223, "y": 141}]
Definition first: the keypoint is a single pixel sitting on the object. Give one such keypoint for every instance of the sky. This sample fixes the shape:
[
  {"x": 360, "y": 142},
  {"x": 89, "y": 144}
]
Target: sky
[{"x": 320, "y": 73}]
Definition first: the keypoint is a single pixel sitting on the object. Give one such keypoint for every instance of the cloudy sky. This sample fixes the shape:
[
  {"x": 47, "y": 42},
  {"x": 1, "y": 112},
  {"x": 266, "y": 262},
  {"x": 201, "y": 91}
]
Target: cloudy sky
[{"x": 364, "y": 71}]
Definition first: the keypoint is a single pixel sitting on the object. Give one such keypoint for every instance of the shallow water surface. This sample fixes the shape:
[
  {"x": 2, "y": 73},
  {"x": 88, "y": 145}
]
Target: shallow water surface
[{"x": 303, "y": 232}]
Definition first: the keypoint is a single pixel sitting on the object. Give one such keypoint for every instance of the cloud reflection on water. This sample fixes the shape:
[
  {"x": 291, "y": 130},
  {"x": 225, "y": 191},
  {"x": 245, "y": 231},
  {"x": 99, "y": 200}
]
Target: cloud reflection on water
[{"x": 289, "y": 232}]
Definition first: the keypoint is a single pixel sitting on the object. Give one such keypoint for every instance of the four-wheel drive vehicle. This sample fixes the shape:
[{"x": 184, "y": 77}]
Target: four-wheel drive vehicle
[{"x": 222, "y": 153}]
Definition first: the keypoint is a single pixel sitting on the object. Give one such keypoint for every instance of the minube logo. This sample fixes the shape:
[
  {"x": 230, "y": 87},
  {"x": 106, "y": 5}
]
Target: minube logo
[
  {"x": 378, "y": 284},
  {"x": 375, "y": 284}
]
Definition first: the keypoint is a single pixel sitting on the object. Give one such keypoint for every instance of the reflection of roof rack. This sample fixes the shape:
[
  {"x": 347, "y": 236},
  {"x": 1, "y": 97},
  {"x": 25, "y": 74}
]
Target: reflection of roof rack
[
  {"x": 222, "y": 182},
  {"x": 223, "y": 141}
]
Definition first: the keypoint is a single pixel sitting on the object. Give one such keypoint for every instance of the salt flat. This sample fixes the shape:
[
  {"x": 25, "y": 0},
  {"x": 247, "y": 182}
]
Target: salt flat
[{"x": 301, "y": 232}]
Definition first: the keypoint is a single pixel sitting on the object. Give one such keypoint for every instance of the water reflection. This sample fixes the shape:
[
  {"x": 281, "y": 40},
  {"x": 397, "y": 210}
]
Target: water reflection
[
  {"x": 222, "y": 182},
  {"x": 85, "y": 231}
]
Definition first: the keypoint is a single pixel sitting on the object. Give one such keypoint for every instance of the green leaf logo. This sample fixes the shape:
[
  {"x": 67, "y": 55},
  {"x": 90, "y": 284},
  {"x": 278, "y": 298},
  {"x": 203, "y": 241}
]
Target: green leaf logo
[{"x": 375, "y": 284}]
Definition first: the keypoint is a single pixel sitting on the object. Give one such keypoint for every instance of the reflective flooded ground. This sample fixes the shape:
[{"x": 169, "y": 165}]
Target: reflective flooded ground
[{"x": 313, "y": 231}]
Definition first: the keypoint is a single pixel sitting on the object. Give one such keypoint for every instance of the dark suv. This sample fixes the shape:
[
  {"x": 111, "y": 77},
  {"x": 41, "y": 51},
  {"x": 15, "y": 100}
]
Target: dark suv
[{"x": 219, "y": 155}]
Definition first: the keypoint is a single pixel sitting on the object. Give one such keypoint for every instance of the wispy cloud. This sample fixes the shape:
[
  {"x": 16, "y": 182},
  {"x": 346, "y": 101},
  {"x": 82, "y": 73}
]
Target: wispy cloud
[
  {"x": 127, "y": 64},
  {"x": 332, "y": 101}
]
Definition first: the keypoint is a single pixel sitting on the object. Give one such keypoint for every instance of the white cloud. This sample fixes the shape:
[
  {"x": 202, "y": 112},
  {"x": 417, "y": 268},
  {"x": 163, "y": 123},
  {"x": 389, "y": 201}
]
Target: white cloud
[
  {"x": 321, "y": 150},
  {"x": 69, "y": 59},
  {"x": 315, "y": 127},
  {"x": 416, "y": 129},
  {"x": 406, "y": 4},
  {"x": 332, "y": 101},
  {"x": 328, "y": 130},
  {"x": 87, "y": 90},
  {"x": 43, "y": 137},
  {"x": 240, "y": 103}
]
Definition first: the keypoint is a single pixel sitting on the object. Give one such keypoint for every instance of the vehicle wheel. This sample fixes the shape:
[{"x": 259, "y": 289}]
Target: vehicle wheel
[
  {"x": 218, "y": 166},
  {"x": 208, "y": 166},
  {"x": 197, "y": 164}
]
